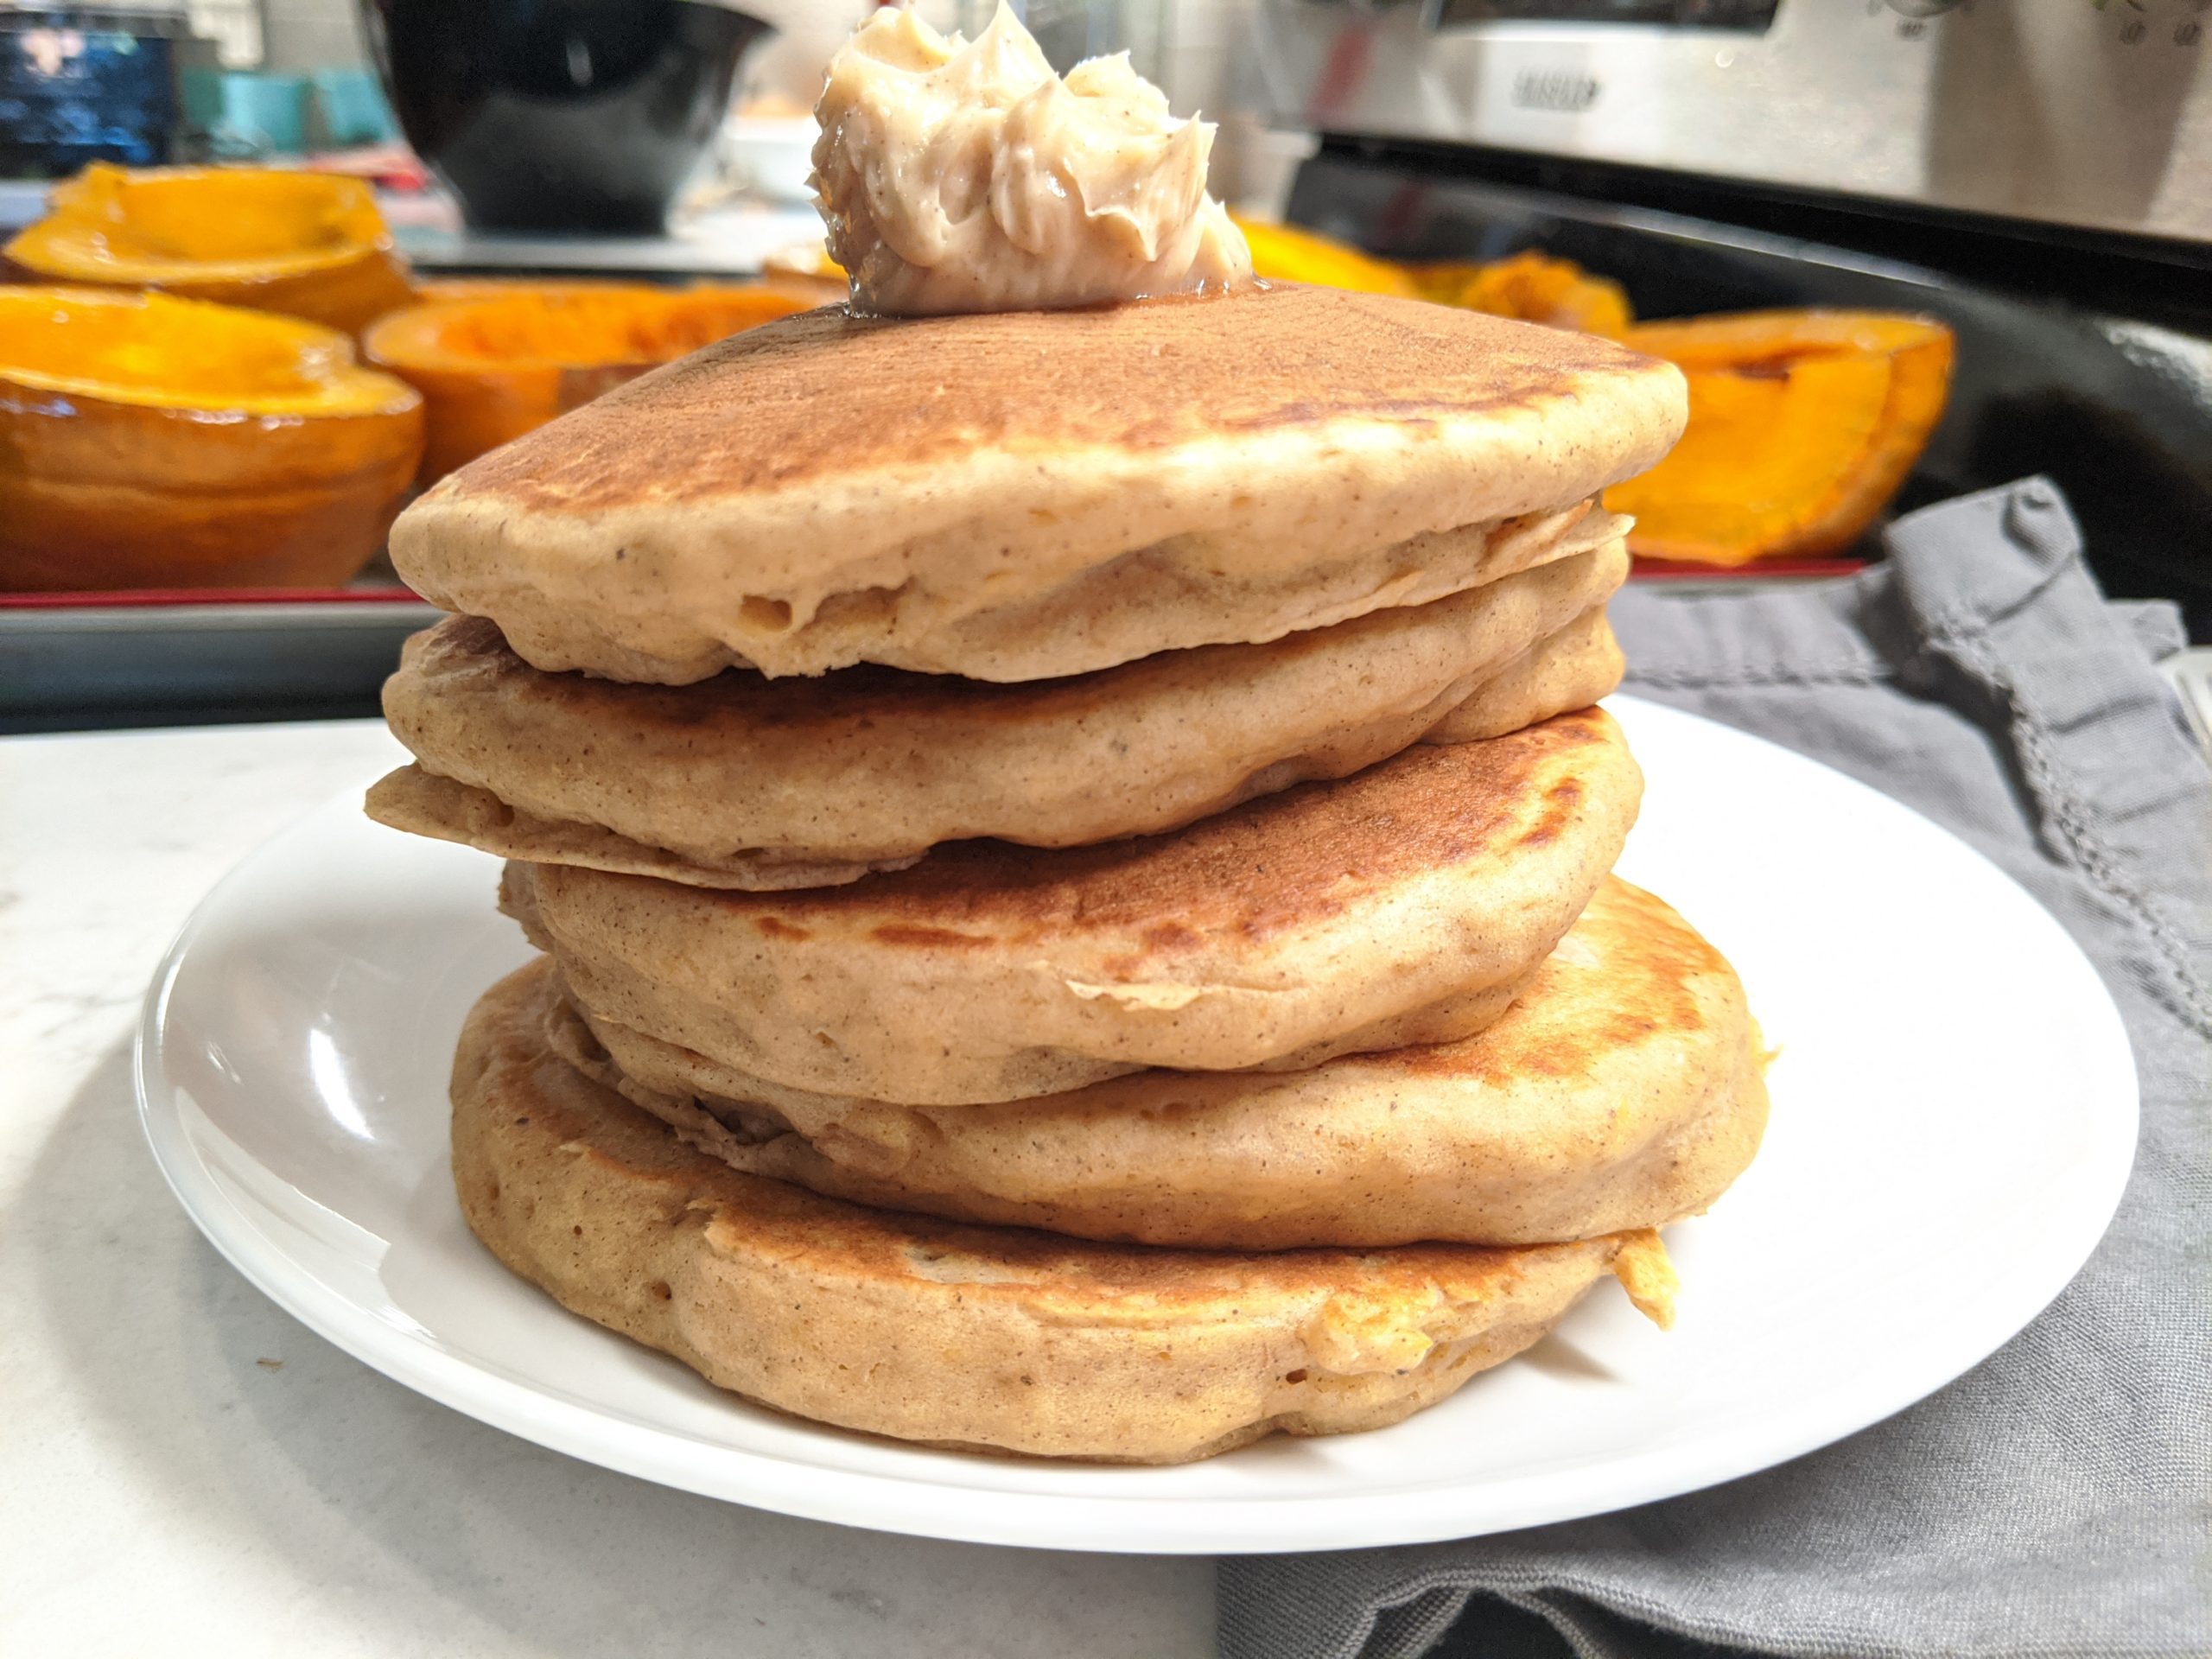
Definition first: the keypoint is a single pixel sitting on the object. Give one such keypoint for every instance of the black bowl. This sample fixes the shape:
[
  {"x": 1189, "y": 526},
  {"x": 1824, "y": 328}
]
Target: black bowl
[{"x": 560, "y": 115}]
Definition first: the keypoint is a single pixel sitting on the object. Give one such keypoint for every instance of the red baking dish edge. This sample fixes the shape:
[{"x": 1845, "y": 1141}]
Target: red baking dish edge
[{"x": 1643, "y": 569}]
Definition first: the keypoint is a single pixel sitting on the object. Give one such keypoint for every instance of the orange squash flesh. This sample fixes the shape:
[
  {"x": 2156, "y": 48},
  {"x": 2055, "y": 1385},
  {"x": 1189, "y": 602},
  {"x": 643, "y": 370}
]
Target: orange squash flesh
[
  {"x": 436, "y": 291},
  {"x": 496, "y": 365},
  {"x": 308, "y": 245},
  {"x": 1286, "y": 253},
  {"x": 1529, "y": 286},
  {"x": 1533, "y": 288},
  {"x": 1803, "y": 425},
  {"x": 147, "y": 442}
]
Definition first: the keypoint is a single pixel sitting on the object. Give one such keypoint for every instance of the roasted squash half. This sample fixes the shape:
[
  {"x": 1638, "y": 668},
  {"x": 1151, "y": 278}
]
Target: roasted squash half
[
  {"x": 308, "y": 245},
  {"x": 495, "y": 366},
  {"x": 1529, "y": 286},
  {"x": 1534, "y": 287},
  {"x": 1803, "y": 426},
  {"x": 148, "y": 441}
]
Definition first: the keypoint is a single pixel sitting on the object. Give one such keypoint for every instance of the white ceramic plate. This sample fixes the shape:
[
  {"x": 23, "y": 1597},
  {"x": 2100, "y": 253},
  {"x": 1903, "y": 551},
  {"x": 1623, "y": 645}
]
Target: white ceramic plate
[{"x": 1954, "y": 1118}]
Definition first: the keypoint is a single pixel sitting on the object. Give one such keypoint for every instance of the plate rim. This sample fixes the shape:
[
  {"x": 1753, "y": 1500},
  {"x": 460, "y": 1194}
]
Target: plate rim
[{"x": 1139, "y": 1523}]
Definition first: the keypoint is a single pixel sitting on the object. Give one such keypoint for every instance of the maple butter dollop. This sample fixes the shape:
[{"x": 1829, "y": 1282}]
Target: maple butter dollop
[{"x": 959, "y": 176}]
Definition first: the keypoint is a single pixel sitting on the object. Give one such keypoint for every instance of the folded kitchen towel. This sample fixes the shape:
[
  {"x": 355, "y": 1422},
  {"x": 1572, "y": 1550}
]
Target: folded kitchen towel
[{"x": 2058, "y": 1499}]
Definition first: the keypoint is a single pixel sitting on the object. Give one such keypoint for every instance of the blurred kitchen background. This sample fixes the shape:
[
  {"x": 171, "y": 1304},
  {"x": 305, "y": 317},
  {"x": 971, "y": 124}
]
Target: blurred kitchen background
[
  {"x": 1927, "y": 245},
  {"x": 296, "y": 81}
]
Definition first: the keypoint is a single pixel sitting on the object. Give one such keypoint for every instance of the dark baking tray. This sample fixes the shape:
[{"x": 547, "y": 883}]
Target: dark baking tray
[
  {"x": 2114, "y": 404},
  {"x": 79, "y": 661}
]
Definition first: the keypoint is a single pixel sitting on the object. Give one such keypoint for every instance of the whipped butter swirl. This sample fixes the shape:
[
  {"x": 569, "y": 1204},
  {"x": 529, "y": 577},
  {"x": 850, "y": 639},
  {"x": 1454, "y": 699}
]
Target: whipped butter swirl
[{"x": 958, "y": 176}]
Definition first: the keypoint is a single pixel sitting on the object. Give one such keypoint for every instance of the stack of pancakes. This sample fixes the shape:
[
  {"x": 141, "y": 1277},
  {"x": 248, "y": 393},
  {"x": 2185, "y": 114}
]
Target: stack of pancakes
[{"x": 1072, "y": 855}]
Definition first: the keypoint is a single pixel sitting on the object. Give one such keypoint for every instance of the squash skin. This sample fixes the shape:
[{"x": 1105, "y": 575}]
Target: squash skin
[
  {"x": 347, "y": 297},
  {"x": 480, "y": 392},
  {"x": 110, "y": 492},
  {"x": 1803, "y": 426},
  {"x": 345, "y": 286}
]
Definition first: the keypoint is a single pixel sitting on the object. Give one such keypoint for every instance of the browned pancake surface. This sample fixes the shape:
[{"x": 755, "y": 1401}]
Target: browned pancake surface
[
  {"x": 1286, "y": 860},
  {"x": 1398, "y": 906},
  {"x": 825, "y": 394}
]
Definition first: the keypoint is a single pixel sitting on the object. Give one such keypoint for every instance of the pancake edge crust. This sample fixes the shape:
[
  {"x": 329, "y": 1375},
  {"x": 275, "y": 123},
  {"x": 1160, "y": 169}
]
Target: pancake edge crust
[{"x": 963, "y": 1337}]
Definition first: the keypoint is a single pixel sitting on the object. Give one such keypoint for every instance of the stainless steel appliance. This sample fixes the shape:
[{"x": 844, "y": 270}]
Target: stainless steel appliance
[
  {"x": 2092, "y": 114},
  {"x": 2037, "y": 173}
]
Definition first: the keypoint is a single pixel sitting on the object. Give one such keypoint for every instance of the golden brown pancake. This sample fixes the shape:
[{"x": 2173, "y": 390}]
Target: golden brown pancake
[
  {"x": 1023, "y": 496},
  {"x": 1402, "y": 904},
  {"x": 972, "y": 1336},
  {"x": 744, "y": 782},
  {"x": 1623, "y": 1089}
]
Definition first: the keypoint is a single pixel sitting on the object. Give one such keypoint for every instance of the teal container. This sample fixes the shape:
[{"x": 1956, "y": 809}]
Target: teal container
[
  {"x": 351, "y": 108},
  {"x": 241, "y": 116}
]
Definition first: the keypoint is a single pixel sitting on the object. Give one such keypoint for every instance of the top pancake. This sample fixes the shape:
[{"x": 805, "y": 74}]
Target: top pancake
[{"x": 965, "y": 494}]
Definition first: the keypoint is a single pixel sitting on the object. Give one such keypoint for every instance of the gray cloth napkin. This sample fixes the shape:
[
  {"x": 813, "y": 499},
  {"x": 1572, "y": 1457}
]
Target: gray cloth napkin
[{"x": 2058, "y": 1499}]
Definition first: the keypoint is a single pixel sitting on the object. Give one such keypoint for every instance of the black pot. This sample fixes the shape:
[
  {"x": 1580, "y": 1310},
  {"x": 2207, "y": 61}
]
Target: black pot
[{"x": 560, "y": 115}]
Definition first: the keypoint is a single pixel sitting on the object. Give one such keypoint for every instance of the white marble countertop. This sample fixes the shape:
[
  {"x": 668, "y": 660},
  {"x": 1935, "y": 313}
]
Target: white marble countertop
[{"x": 184, "y": 1470}]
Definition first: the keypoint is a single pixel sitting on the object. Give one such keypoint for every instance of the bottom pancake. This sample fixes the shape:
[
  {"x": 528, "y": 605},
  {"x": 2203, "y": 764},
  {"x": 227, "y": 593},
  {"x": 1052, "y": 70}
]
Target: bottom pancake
[{"x": 964, "y": 1336}]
